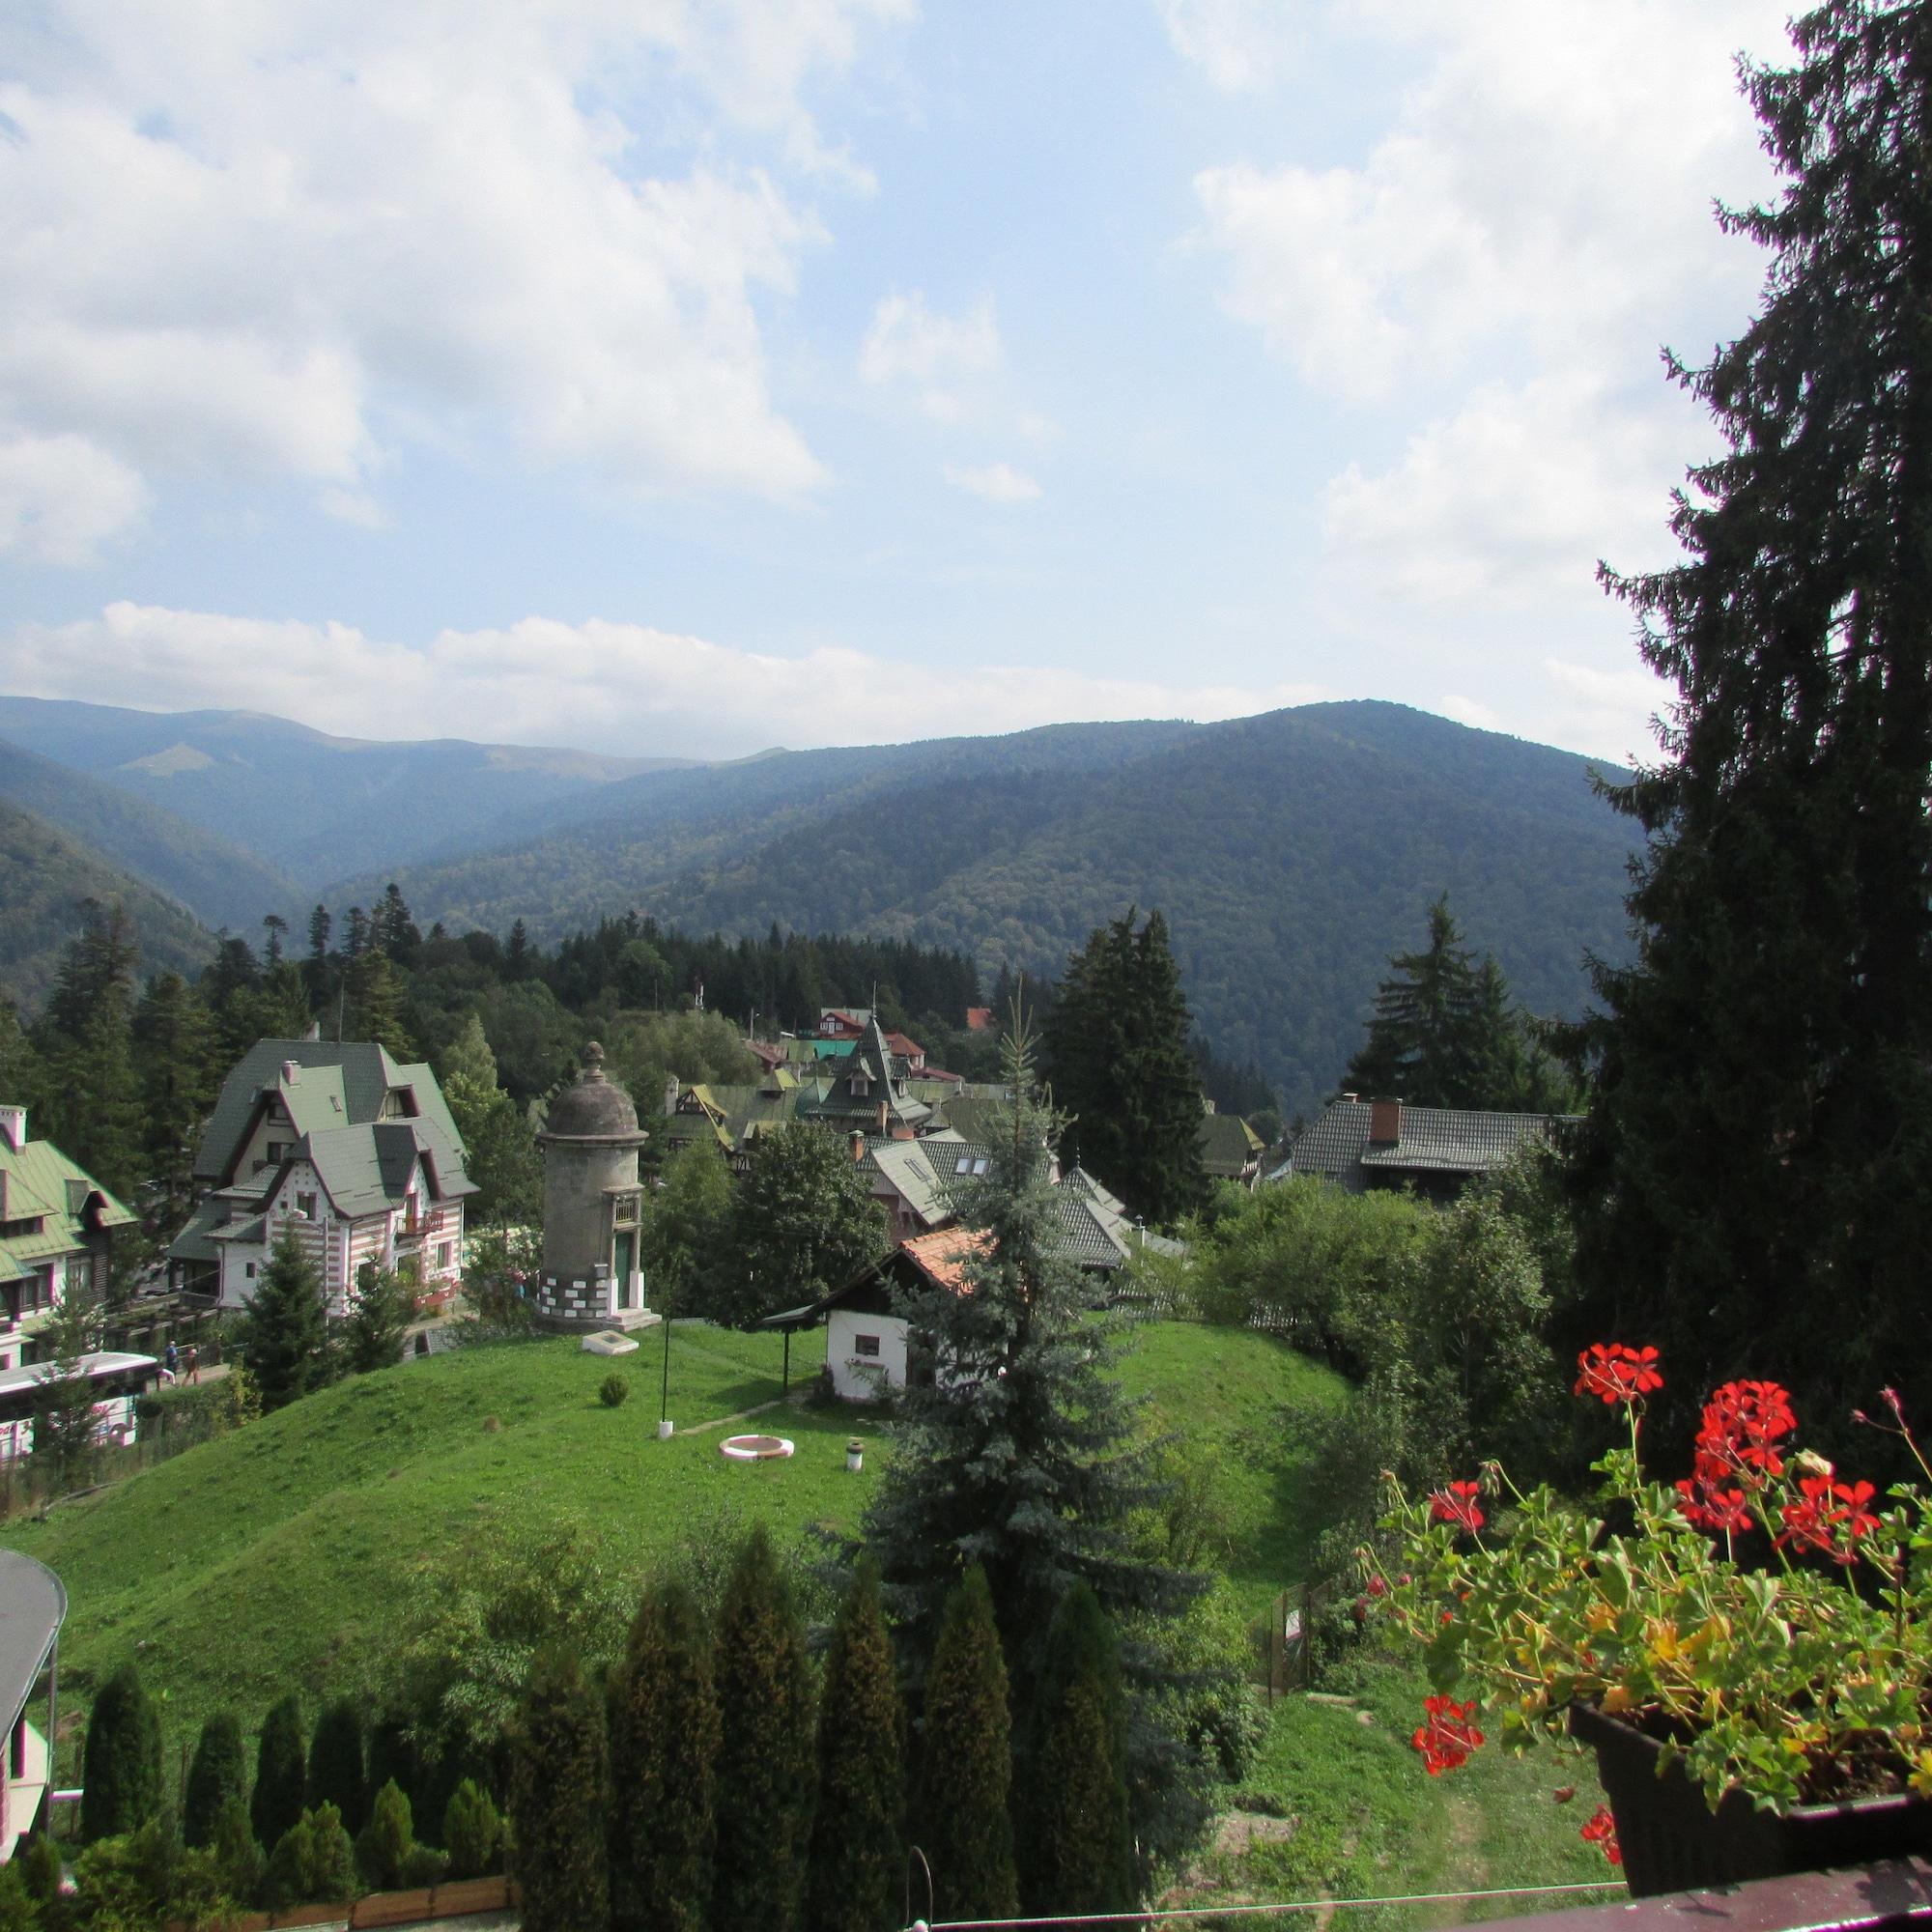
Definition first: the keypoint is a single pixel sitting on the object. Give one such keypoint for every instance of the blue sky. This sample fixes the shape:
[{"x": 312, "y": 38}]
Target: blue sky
[{"x": 688, "y": 379}]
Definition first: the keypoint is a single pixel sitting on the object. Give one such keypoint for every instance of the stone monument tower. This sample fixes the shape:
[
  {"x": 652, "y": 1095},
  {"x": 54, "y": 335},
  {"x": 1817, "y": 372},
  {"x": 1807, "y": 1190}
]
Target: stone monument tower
[{"x": 590, "y": 1278}]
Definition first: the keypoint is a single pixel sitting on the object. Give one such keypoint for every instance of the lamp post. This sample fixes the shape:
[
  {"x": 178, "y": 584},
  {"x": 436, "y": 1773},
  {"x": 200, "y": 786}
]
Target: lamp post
[{"x": 664, "y": 1390}]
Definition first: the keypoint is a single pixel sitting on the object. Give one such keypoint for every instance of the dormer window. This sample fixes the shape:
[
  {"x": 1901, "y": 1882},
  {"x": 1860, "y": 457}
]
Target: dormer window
[{"x": 861, "y": 1085}]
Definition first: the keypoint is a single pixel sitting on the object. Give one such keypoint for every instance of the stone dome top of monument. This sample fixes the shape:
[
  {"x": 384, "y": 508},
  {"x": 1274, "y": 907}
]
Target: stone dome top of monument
[{"x": 596, "y": 1108}]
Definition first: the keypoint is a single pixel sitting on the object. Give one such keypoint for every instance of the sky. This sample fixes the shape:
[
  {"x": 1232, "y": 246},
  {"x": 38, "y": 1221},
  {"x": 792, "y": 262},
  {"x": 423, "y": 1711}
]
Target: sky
[{"x": 691, "y": 377}]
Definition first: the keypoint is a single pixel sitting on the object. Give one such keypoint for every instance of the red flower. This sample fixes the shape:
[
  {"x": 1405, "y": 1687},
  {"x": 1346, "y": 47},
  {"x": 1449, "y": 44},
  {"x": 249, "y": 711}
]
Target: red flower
[
  {"x": 1376, "y": 1587},
  {"x": 1602, "y": 1829},
  {"x": 1456, "y": 1504},
  {"x": 1705, "y": 1503},
  {"x": 1743, "y": 1424},
  {"x": 1447, "y": 1737},
  {"x": 1617, "y": 1372},
  {"x": 1830, "y": 1518}
]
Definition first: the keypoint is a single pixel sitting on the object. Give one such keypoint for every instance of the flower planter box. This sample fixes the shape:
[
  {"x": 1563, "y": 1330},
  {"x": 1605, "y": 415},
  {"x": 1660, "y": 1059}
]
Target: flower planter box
[{"x": 1673, "y": 1841}]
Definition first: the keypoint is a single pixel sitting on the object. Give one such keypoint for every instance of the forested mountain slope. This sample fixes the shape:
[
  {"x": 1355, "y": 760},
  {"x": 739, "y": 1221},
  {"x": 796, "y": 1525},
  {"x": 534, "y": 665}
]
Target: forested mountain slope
[
  {"x": 220, "y": 882},
  {"x": 1292, "y": 853},
  {"x": 45, "y": 877},
  {"x": 309, "y": 805}
]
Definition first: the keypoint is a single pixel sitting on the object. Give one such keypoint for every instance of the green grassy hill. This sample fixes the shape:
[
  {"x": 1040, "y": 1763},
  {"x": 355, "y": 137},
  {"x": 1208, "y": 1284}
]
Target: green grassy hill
[{"x": 279, "y": 1556}]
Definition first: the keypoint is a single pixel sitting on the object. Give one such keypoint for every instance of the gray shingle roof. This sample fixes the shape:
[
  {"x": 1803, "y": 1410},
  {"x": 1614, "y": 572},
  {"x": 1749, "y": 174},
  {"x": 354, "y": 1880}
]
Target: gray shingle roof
[{"x": 1433, "y": 1140}]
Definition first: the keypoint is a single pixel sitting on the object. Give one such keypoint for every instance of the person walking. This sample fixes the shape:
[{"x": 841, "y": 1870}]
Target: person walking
[{"x": 171, "y": 1359}]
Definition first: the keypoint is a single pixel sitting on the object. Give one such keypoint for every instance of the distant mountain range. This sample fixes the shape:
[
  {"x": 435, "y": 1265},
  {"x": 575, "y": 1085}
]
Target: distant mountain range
[{"x": 1292, "y": 853}]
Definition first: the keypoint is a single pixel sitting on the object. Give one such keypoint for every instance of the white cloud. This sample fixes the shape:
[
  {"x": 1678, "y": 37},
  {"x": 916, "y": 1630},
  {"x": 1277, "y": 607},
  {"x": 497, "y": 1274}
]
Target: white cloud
[
  {"x": 996, "y": 482},
  {"x": 1545, "y": 184},
  {"x": 61, "y": 498},
  {"x": 908, "y": 339},
  {"x": 1244, "y": 46},
  {"x": 1510, "y": 500},
  {"x": 596, "y": 684},
  {"x": 1605, "y": 712},
  {"x": 1467, "y": 711},
  {"x": 252, "y": 240}
]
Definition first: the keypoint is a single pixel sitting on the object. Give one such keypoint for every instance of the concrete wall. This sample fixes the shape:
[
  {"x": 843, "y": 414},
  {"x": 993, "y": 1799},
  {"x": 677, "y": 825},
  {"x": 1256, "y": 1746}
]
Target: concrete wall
[{"x": 577, "y": 1210}]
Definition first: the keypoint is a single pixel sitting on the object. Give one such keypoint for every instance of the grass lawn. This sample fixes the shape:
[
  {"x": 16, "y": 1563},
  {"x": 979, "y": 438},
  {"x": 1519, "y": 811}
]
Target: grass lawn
[
  {"x": 1370, "y": 1823},
  {"x": 277, "y": 1558}
]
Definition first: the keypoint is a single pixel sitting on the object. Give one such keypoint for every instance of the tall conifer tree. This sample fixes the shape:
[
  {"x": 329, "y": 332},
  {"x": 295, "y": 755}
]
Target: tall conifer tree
[
  {"x": 1753, "y": 1180},
  {"x": 287, "y": 1333},
  {"x": 961, "y": 1817},
  {"x": 275, "y": 1805},
  {"x": 174, "y": 1054},
  {"x": 336, "y": 1774},
  {"x": 1027, "y": 1458},
  {"x": 857, "y": 1863},
  {"x": 764, "y": 1756},
  {"x": 559, "y": 1791},
  {"x": 121, "y": 1777},
  {"x": 217, "y": 1775},
  {"x": 1119, "y": 1056},
  {"x": 1076, "y": 1844},
  {"x": 664, "y": 1759}
]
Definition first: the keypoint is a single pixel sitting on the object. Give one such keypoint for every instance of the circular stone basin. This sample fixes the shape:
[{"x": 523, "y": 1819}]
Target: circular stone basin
[{"x": 754, "y": 1448}]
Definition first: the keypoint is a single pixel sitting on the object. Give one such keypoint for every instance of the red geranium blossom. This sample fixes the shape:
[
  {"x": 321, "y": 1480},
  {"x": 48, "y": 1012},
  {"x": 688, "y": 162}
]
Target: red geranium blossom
[
  {"x": 1617, "y": 1372},
  {"x": 1602, "y": 1829},
  {"x": 1456, "y": 1504},
  {"x": 1830, "y": 1512},
  {"x": 1447, "y": 1737},
  {"x": 1743, "y": 1424}
]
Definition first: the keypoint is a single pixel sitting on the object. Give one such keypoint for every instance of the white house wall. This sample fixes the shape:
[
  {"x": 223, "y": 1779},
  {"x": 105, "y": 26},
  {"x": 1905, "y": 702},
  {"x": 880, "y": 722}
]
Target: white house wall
[{"x": 861, "y": 1378}]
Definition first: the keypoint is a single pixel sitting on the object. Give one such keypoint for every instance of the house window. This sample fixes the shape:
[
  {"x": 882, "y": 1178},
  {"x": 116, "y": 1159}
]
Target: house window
[
  {"x": 305, "y": 1207},
  {"x": 249, "y": 1271},
  {"x": 277, "y": 1153},
  {"x": 866, "y": 1344},
  {"x": 443, "y": 1257}
]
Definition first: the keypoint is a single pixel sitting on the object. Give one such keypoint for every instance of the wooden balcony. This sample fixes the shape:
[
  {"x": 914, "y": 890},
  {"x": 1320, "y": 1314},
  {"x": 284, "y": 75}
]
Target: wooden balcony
[{"x": 1897, "y": 1892}]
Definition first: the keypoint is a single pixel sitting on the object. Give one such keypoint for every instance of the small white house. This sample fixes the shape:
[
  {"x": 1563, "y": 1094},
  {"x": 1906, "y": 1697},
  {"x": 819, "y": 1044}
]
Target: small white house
[{"x": 865, "y": 1339}]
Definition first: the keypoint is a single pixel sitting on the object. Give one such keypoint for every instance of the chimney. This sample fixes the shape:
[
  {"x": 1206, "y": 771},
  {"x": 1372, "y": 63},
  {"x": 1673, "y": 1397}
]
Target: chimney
[
  {"x": 314, "y": 1030},
  {"x": 671, "y": 1094},
  {"x": 13, "y": 1127},
  {"x": 291, "y": 1073},
  {"x": 858, "y": 1147},
  {"x": 1384, "y": 1122}
]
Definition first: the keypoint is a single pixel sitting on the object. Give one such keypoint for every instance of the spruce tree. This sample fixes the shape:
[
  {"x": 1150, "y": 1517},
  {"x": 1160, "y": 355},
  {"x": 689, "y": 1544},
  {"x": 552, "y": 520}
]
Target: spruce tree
[
  {"x": 388, "y": 1845},
  {"x": 960, "y": 1815},
  {"x": 1122, "y": 1069},
  {"x": 1752, "y": 1180},
  {"x": 559, "y": 1798},
  {"x": 500, "y": 1150},
  {"x": 91, "y": 1099},
  {"x": 376, "y": 1003},
  {"x": 176, "y": 1061},
  {"x": 856, "y": 1867},
  {"x": 286, "y": 1340},
  {"x": 764, "y": 1753},
  {"x": 335, "y": 1763},
  {"x": 472, "y": 1833},
  {"x": 280, "y": 1782},
  {"x": 664, "y": 1758},
  {"x": 121, "y": 1783},
  {"x": 380, "y": 1312},
  {"x": 217, "y": 1773},
  {"x": 1026, "y": 1457},
  {"x": 1076, "y": 1844}
]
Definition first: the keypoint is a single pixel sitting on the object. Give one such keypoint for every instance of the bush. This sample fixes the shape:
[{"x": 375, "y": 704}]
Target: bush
[
  {"x": 335, "y": 1769},
  {"x": 472, "y": 1831},
  {"x": 614, "y": 1390},
  {"x": 280, "y": 1774},
  {"x": 424, "y": 1866},
  {"x": 237, "y": 1857},
  {"x": 38, "y": 1863},
  {"x": 144, "y": 1878},
  {"x": 384, "y": 1849},
  {"x": 219, "y": 1773},
  {"x": 313, "y": 1863}
]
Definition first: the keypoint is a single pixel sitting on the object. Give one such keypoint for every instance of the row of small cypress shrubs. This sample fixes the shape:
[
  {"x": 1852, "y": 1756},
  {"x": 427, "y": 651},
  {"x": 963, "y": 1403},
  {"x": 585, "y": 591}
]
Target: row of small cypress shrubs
[
  {"x": 315, "y": 1824},
  {"x": 694, "y": 1792}
]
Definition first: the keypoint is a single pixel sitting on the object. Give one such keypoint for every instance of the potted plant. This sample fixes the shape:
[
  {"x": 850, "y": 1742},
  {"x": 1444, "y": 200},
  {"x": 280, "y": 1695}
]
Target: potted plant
[{"x": 1750, "y": 1649}]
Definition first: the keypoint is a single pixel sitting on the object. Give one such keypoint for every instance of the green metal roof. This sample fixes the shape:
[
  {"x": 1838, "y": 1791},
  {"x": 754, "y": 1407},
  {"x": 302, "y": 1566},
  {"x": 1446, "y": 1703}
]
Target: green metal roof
[{"x": 45, "y": 1186}]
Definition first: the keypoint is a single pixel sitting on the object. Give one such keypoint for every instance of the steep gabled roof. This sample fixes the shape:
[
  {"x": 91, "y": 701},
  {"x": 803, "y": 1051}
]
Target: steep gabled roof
[
  {"x": 870, "y": 1062},
  {"x": 338, "y": 1083},
  {"x": 1228, "y": 1145},
  {"x": 53, "y": 1193}
]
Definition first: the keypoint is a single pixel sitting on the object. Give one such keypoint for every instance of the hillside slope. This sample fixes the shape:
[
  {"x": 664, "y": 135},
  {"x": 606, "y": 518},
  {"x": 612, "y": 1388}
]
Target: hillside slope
[
  {"x": 1292, "y": 854},
  {"x": 46, "y": 876},
  {"x": 220, "y": 882},
  {"x": 286, "y": 1555},
  {"x": 308, "y": 804}
]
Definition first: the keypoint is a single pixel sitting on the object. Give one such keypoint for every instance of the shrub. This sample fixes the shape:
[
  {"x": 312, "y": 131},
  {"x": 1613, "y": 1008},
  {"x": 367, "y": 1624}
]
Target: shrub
[
  {"x": 614, "y": 1390},
  {"x": 559, "y": 1796},
  {"x": 312, "y": 1864},
  {"x": 385, "y": 1848},
  {"x": 20, "y": 1909},
  {"x": 122, "y": 1768},
  {"x": 472, "y": 1831},
  {"x": 424, "y": 1866},
  {"x": 237, "y": 1857},
  {"x": 38, "y": 1863}
]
